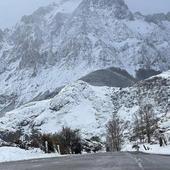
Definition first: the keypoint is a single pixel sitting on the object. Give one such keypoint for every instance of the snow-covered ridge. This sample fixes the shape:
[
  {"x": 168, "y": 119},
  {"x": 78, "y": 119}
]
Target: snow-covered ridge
[
  {"x": 165, "y": 75},
  {"x": 80, "y": 105}
]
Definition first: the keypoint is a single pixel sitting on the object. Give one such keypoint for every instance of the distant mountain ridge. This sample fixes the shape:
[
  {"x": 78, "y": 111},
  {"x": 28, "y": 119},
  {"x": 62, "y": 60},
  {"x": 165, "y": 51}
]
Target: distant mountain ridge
[{"x": 111, "y": 77}]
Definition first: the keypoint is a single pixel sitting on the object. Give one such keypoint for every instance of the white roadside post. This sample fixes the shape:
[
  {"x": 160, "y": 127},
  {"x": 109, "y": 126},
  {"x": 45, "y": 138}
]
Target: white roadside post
[
  {"x": 46, "y": 146},
  {"x": 22, "y": 138},
  {"x": 58, "y": 148}
]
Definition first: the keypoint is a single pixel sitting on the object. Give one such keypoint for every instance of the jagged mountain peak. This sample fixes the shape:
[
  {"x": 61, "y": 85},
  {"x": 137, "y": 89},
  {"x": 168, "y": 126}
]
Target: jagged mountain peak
[
  {"x": 115, "y": 8},
  {"x": 48, "y": 12},
  {"x": 106, "y": 3},
  {"x": 109, "y": 3}
]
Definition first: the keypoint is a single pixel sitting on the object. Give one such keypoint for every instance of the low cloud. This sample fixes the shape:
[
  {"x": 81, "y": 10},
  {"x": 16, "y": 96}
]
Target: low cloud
[{"x": 12, "y": 10}]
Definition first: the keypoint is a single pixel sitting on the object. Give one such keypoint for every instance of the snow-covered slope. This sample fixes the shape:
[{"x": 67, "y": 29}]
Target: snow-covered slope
[
  {"x": 80, "y": 105},
  {"x": 9, "y": 154},
  {"x": 64, "y": 41}
]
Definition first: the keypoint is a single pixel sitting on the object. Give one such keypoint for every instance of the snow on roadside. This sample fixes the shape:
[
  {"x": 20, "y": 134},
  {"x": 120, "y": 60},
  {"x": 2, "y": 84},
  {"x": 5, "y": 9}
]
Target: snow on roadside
[
  {"x": 153, "y": 149},
  {"x": 156, "y": 149},
  {"x": 8, "y": 154}
]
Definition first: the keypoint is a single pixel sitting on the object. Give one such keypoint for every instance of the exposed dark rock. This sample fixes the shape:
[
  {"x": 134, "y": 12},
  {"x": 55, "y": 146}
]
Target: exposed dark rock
[
  {"x": 112, "y": 77},
  {"x": 47, "y": 94},
  {"x": 142, "y": 74}
]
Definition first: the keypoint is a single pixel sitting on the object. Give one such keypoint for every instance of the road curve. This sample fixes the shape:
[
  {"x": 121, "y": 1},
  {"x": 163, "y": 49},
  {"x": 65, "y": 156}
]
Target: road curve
[{"x": 100, "y": 161}]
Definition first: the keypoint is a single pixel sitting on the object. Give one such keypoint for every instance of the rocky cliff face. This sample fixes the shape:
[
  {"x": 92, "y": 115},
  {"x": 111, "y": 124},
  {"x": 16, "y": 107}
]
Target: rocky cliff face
[{"x": 64, "y": 41}]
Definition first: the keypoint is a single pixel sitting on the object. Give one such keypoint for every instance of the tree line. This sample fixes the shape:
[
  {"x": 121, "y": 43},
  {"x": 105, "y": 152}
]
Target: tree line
[
  {"x": 69, "y": 141},
  {"x": 144, "y": 127}
]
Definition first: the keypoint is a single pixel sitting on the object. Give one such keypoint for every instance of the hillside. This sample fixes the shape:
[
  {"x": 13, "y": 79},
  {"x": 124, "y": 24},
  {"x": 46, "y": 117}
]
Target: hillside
[{"x": 80, "y": 105}]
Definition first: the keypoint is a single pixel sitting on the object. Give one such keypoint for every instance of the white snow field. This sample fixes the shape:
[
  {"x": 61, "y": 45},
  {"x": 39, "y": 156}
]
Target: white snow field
[
  {"x": 16, "y": 154},
  {"x": 153, "y": 149}
]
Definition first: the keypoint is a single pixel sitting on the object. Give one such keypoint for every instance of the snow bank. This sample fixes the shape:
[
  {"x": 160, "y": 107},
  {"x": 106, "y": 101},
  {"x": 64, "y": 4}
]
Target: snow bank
[
  {"x": 15, "y": 154},
  {"x": 153, "y": 149},
  {"x": 156, "y": 149}
]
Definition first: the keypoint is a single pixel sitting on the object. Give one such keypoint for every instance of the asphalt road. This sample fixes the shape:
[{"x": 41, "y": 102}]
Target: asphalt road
[{"x": 101, "y": 161}]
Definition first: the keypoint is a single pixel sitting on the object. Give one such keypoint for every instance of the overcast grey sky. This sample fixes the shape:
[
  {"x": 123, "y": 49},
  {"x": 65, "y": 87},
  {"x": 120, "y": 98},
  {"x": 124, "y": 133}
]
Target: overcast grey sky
[{"x": 12, "y": 10}]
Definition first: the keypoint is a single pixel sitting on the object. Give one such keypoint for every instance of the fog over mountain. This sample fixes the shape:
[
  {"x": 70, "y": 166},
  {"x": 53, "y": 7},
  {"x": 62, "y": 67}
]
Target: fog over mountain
[{"x": 18, "y": 8}]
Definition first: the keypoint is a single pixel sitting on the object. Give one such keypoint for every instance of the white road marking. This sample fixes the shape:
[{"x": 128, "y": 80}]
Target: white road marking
[{"x": 137, "y": 160}]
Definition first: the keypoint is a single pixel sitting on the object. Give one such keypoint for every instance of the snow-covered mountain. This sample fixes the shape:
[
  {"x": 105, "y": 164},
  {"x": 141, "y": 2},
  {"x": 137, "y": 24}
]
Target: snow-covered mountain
[
  {"x": 54, "y": 63},
  {"x": 64, "y": 41},
  {"x": 80, "y": 105}
]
